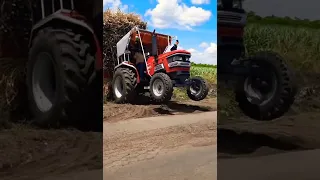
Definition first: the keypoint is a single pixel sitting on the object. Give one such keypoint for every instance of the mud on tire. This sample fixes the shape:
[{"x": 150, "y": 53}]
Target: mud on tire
[
  {"x": 123, "y": 85},
  {"x": 161, "y": 94},
  {"x": 61, "y": 71},
  {"x": 284, "y": 93},
  {"x": 203, "y": 89}
]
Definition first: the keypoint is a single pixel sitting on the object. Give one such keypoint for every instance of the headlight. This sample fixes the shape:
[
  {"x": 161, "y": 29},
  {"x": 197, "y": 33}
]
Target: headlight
[{"x": 177, "y": 58}]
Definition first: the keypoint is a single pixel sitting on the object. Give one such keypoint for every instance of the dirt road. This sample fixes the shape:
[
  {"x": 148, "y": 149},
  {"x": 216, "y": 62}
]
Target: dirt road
[
  {"x": 174, "y": 147},
  {"x": 27, "y": 153},
  {"x": 118, "y": 112},
  {"x": 290, "y": 165}
]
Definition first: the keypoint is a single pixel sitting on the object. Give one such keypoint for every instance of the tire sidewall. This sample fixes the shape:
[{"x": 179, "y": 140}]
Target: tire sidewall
[
  {"x": 50, "y": 46},
  {"x": 118, "y": 74}
]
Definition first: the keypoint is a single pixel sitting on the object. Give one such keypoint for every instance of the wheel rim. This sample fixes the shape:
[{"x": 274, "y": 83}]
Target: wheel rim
[
  {"x": 44, "y": 82},
  {"x": 261, "y": 87},
  {"x": 195, "y": 87},
  {"x": 118, "y": 87},
  {"x": 158, "y": 87}
]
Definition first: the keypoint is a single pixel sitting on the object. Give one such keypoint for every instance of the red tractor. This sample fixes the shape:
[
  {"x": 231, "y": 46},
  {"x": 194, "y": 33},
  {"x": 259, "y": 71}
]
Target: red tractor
[
  {"x": 263, "y": 84},
  {"x": 164, "y": 70},
  {"x": 65, "y": 68}
]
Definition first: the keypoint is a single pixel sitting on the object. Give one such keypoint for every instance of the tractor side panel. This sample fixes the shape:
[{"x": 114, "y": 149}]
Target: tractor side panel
[{"x": 151, "y": 66}]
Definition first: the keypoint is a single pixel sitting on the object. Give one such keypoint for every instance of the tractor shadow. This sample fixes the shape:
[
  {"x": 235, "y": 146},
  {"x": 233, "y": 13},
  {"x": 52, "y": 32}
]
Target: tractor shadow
[
  {"x": 172, "y": 107},
  {"x": 175, "y": 107},
  {"x": 232, "y": 143}
]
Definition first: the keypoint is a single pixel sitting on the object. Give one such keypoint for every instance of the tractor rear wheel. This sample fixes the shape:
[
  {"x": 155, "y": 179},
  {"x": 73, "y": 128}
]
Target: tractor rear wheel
[
  {"x": 62, "y": 81},
  {"x": 123, "y": 85},
  {"x": 198, "y": 89},
  {"x": 161, "y": 88}
]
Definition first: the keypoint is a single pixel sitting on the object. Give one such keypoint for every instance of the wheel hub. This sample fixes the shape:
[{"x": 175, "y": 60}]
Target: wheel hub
[
  {"x": 260, "y": 87},
  {"x": 195, "y": 88},
  {"x": 118, "y": 87},
  {"x": 44, "y": 82},
  {"x": 158, "y": 87}
]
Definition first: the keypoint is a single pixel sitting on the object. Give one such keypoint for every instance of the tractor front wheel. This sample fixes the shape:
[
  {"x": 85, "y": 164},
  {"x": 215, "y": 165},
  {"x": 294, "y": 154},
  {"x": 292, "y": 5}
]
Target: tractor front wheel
[
  {"x": 198, "y": 89},
  {"x": 269, "y": 91},
  {"x": 161, "y": 88}
]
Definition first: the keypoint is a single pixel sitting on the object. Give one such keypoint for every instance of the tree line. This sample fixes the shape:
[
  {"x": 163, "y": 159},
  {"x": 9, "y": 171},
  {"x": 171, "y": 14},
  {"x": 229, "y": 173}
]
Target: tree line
[
  {"x": 287, "y": 21},
  {"x": 203, "y": 65}
]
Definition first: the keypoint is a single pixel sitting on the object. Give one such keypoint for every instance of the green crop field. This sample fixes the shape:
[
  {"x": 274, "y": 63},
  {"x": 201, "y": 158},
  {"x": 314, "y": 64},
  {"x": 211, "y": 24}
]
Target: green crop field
[
  {"x": 299, "y": 46},
  {"x": 298, "y": 41},
  {"x": 208, "y": 72}
]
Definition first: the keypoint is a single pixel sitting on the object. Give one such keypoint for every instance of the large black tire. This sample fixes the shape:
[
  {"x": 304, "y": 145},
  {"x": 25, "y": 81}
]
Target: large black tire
[
  {"x": 280, "y": 101},
  {"x": 123, "y": 85},
  {"x": 202, "y": 89},
  {"x": 61, "y": 70},
  {"x": 165, "y": 89}
]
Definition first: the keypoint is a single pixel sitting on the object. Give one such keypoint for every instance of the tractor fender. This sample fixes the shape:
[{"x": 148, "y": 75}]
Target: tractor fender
[
  {"x": 61, "y": 17},
  {"x": 130, "y": 66}
]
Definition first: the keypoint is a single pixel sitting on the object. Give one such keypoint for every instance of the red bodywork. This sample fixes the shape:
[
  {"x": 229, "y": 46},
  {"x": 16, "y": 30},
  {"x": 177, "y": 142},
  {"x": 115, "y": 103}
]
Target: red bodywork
[
  {"x": 236, "y": 32},
  {"x": 146, "y": 38},
  {"x": 162, "y": 59}
]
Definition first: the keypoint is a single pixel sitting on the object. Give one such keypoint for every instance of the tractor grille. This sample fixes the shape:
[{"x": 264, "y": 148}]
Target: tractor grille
[
  {"x": 231, "y": 18},
  {"x": 179, "y": 57},
  {"x": 225, "y": 17}
]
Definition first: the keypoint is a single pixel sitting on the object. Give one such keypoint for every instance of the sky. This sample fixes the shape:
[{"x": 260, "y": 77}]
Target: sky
[
  {"x": 306, "y": 9},
  {"x": 194, "y": 22}
]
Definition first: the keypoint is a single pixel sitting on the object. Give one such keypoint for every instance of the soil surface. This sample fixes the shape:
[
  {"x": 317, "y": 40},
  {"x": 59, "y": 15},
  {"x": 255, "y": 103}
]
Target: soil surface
[
  {"x": 174, "y": 147},
  {"x": 297, "y": 130},
  {"x": 119, "y": 112},
  {"x": 30, "y": 153}
]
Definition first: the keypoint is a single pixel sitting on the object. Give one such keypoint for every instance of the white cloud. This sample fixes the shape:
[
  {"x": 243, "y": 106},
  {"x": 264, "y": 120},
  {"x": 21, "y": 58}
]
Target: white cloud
[
  {"x": 198, "y": 2},
  {"x": 206, "y": 56},
  {"x": 175, "y": 14},
  {"x": 114, "y": 5},
  {"x": 204, "y": 45}
]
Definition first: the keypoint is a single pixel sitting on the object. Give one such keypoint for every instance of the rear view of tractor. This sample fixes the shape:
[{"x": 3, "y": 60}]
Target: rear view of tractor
[
  {"x": 64, "y": 67},
  {"x": 263, "y": 83},
  {"x": 162, "y": 70}
]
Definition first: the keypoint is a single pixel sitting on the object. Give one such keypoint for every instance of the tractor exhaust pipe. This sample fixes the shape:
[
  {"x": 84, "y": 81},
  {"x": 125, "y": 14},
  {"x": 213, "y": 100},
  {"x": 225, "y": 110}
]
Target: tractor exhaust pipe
[{"x": 154, "y": 52}]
